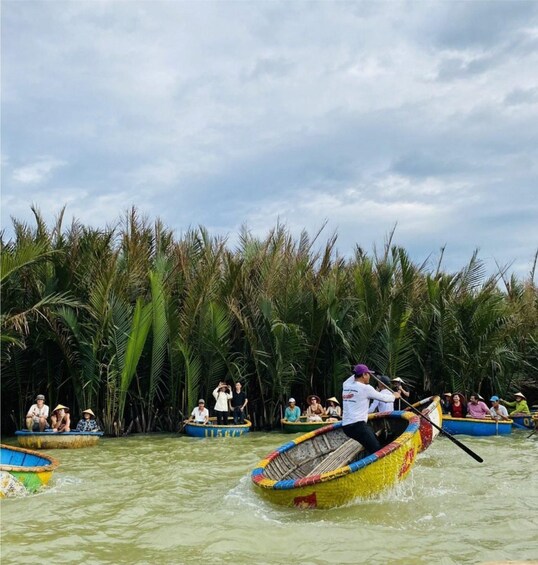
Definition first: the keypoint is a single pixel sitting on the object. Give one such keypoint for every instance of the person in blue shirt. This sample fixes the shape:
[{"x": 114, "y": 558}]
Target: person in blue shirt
[{"x": 292, "y": 412}]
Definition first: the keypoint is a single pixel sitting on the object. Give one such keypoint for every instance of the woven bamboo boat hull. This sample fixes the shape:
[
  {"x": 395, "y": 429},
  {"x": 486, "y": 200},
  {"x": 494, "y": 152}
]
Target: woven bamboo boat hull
[
  {"x": 476, "y": 427},
  {"x": 289, "y": 477},
  {"x": 302, "y": 426},
  {"x": 22, "y": 470},
  {"x": 525, "y": 420},
  {"x": 52, "y": 440},
  {"x": 431, "y": 408},
  {"x": 213, "y": 430}
]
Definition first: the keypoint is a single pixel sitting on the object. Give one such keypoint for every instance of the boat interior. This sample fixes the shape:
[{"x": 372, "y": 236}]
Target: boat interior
[
  {"x": 329, "y": 451},
  {"x": 21, "y": 458}
]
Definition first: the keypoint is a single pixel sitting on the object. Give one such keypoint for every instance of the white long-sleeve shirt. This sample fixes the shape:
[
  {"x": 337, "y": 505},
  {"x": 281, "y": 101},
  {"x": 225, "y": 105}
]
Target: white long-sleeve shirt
[
  {"x": 356, "y": 398},
  {"x": 221, "y": 404},
  {"x": 383, "y": 406}
]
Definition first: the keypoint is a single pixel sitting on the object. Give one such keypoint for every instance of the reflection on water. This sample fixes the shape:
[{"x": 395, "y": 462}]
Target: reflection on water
[{"x": 173, "y": 499}]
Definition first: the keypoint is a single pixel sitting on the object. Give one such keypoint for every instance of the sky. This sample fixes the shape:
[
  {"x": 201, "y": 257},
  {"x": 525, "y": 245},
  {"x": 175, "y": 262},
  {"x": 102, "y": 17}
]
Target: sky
[{"x": 356, "y": 116}]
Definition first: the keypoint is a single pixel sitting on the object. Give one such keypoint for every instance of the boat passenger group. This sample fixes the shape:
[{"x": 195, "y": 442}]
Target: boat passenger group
[
  {"x": 456, "y": 406},
  {"x": 225, "y": 401},
  {"x": 37, "y": 418}
]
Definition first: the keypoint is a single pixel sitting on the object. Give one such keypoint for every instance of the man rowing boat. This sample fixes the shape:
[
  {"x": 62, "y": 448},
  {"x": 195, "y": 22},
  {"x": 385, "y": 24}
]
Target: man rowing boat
[{"x": 356, "y": 396}]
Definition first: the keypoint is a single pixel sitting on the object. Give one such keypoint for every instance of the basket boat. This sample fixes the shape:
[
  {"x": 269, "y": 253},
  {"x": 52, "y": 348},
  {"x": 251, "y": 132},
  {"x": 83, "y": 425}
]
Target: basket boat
[
  {"x": 476, "y": 426},
  {"x": 325, "y": 469},
  {"x": 302, "y": 425},
  {"x": 214, "y": 430},
  {"x": 53, "y": 440},
  {"x": 524, "y": 420},
  {"x": 23, "y": 470}
]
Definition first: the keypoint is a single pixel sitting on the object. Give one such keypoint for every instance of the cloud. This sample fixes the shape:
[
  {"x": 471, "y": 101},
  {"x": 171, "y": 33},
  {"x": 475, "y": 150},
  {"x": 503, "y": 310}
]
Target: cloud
[
  {"x": 520, "y": 96},
  {"x": 37, "y": 171},
  {"x": 220, "y": 114}
]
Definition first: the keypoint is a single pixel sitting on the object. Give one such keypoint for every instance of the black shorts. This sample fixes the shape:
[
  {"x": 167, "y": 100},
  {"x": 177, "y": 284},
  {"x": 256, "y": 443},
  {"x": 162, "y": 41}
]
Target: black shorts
[{"x": 364, "y": 434}]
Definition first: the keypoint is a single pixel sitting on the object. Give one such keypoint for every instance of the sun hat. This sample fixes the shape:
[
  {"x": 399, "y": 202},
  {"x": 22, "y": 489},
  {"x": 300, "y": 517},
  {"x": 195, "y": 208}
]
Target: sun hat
[
  {"x": 40, "y": 397},
  {"x": 88, "y": 411},
  {"x": 384, "y": 379},
  {"x": 309, "y": 398},
  {"x": 201, "y": 401},
  {"x": 291, "y": 400},
  {"x": 61, "y": 407},
  {"x": 494, "y": 399},
  {"x": 333, "y": 399},
  {"x": 361, "y": 369},
  {"x": 447, "y": 394},
  {"x": 520, "y": 394}
]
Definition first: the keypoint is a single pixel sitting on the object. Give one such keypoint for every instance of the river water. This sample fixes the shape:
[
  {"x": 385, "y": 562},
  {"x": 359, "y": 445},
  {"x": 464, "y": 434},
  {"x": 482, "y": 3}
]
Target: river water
[{"x": 177, "y": 500}]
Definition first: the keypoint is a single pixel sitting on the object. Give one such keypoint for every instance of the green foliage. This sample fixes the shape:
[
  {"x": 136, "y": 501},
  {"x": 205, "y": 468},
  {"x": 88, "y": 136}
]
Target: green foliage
[{"x": 138, "y": 325}]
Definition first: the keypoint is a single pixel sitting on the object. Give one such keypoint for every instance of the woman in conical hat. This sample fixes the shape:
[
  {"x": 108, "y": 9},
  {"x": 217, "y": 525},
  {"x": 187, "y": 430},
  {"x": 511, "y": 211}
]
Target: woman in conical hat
[
  {"x": 88, "y": 423},
  {"x": 333, "y": 409}
]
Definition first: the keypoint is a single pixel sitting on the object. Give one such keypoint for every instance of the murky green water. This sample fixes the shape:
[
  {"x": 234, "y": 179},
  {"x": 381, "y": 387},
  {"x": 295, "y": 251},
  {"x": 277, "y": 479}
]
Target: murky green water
[{"x": 179, "y": 500}]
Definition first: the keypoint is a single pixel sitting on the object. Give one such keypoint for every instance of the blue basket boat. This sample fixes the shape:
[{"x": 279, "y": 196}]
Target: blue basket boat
[
  {"x": 476, "y": 427},
  {"x": 214, "y": 430}
]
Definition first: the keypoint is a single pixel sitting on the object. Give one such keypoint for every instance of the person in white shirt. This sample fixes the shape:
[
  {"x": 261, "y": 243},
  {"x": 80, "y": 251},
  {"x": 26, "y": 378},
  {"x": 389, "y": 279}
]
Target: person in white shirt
[
  {"x": 222, "y": 394},
  {"x": 497, "y": 410},
  {"x": 356, "y": 396},
  {"x": 380, "y": 405},
  {"x": 36, "y": 418},
  {"x": 200, "y": 414}
]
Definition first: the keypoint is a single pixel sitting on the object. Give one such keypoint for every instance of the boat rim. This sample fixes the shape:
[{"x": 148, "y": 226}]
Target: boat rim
[
  {"x": 479, "y": 420},
  {"x": 247, "y": 424},
  {"x": 57, "y": 434}
]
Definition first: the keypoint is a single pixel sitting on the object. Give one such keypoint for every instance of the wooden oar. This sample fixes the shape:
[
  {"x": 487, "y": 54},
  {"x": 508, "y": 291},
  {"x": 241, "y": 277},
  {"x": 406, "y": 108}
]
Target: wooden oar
[{"x": 446, "y": 434}]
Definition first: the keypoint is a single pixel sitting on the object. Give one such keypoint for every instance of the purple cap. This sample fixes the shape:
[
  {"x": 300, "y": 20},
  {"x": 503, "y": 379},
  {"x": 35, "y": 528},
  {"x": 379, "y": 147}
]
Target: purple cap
[{"x": 361, "y": 369}]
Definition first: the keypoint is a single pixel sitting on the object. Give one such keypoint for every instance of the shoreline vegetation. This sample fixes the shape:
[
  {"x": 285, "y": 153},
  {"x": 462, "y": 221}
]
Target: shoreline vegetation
[{"x": 138, "y": 325}]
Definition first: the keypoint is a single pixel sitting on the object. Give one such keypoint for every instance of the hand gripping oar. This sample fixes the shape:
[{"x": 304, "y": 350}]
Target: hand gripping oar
[{"x": 446, "y": 434}]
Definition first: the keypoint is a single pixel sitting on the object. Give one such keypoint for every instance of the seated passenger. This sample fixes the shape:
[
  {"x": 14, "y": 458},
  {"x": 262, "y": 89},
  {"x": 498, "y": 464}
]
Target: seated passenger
[
  {"x": 457, "y": 407},
  {"x": 519, "y": 404},
  {"x": 497, "y": 411},
  {"x": 383, "y": 382},
  {"x": 60, "y": 419},
  {"x": 333, "y": 410},
  {"x": 200, "y": 414},
  {"x": 36, "y": 418},
  {"x": 88, "y": 422},
  {"x": 315, "y": 410},
  {"x": 476, "y": 408},
  {"x": 292, "y": 412},
  {"x": 446, "y": 401}
]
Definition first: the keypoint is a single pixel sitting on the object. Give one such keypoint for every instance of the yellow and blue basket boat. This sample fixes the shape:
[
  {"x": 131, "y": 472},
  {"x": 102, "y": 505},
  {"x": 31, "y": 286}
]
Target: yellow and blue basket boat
[
  {"x": 23, "y": 470},
  {"x": 325, "y": 469}
]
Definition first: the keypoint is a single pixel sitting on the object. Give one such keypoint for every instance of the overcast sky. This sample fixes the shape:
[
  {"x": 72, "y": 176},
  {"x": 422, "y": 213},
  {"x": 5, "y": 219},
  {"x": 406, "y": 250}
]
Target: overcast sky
[{"x": 360, "y": 114}]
